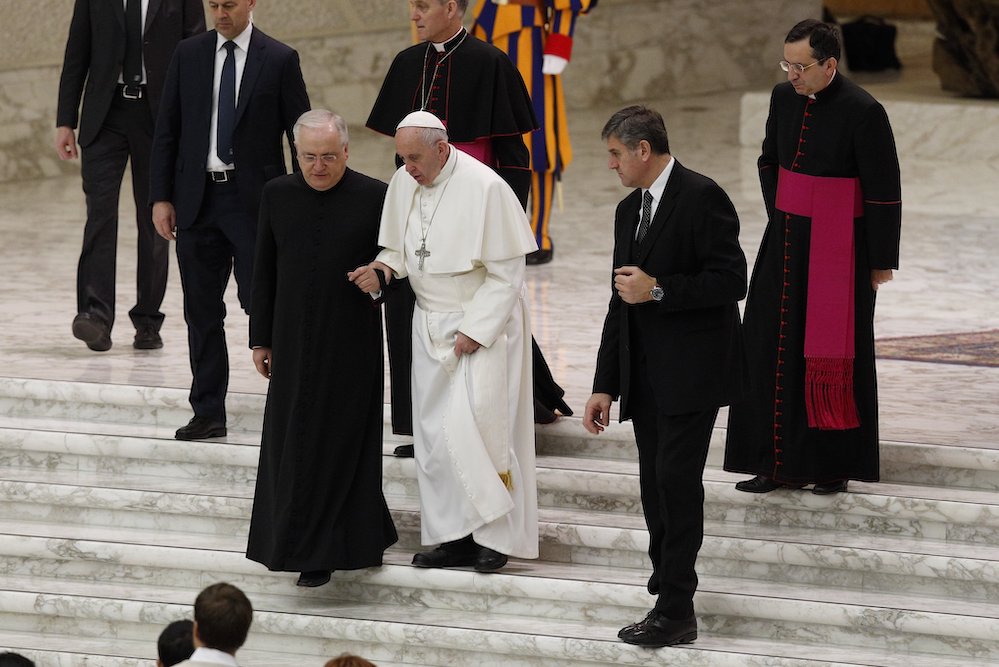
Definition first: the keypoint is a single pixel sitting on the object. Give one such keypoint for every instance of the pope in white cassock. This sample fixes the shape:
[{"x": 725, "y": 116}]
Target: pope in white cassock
[{"x": 458, "y": 232}]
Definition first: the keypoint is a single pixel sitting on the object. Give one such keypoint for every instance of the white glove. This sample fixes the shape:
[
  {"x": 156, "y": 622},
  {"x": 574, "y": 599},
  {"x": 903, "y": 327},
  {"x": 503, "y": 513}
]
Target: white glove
[{"x": 553, "y": 64}]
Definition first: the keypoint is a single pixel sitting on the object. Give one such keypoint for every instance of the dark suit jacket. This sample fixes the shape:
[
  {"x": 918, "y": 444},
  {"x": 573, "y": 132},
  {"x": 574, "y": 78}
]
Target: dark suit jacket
[
  {"x": 271, "y": 98},
  {"x": 95, "y": 52},
  {"x": 692, "y": 338}
]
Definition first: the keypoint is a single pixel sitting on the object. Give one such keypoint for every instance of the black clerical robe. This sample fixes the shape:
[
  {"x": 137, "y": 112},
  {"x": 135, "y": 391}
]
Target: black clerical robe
[
  {"x": 318, "y": 503},
  {"x": 476, "y": 92},
  {"x": 843, "y": 132}
]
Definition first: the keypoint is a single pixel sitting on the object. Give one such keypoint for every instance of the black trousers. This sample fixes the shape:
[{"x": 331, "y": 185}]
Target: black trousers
[
  {"x": 126, "y": 135},
  {"x": 672, "y": 450},
  {"x": 220, "y": 242}
]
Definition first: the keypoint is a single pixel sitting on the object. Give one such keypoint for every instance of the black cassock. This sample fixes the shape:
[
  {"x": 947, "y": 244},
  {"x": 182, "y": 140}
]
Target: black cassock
[
  {"x": 318, "y": 503},
  {"x": 844, "y": 132}
]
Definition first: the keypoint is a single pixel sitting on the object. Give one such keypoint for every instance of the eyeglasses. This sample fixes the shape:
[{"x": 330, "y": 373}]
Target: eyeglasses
[
  {"x": 798, "y": 68},
  {"x": 327, "y": 158}
]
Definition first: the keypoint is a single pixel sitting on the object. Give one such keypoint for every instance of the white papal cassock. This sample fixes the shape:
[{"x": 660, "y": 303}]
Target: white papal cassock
[{"x": 474, "y": 416}]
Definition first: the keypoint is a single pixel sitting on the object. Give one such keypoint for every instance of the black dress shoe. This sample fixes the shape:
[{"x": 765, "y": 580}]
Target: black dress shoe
[
  {"x": 404, "y": 451},
  {"x": 830, "y": 487},
  {"x": 93, "y": 331},
  {"x": 459, "y": 553},
  {"x": 540, "y": 256},
  {"x": 489, "y": 560},
  {"x": 761, "y": 484},
  {"x": 314, "y": 578},
  {"x": 657, "y": 631},
  {"x": 629, "y": 629},
  {"x": 200, "y": 428},
  {"x": 147, "y": 338}
]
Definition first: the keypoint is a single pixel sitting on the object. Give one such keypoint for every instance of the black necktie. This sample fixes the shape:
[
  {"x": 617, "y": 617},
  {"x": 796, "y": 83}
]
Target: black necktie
[
  {"x": 132, "y": 67},
  {"x": 643, "y": 226},
  {"x": 227, "y": 105}
]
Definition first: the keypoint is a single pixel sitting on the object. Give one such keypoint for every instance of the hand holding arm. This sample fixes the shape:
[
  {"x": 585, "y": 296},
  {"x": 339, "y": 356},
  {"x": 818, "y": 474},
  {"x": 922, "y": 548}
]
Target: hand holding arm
[
  {"x": 365, "y": 278},
  {"x": 596, "y": 414}
]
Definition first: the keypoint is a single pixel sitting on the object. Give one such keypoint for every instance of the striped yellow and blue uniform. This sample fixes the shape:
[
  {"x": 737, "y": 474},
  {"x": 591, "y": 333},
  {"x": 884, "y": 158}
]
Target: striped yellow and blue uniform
[{"x": 526, "y": 32}]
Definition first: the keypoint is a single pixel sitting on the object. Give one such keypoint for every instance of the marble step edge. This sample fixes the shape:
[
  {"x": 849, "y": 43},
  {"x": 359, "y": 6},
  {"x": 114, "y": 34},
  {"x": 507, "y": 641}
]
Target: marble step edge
[
  {"x": 566, "y": 430},
  {"x": 829, "y": 549},
  {"x": 554, "y": 583},
  {"x": 837, "y": 612},
  {"x": 449, "y": 640},
  {"x": 976, "y": 510}
]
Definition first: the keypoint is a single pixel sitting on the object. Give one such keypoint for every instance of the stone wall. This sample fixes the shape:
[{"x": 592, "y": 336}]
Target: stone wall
[{"x": 625, "y": 50}]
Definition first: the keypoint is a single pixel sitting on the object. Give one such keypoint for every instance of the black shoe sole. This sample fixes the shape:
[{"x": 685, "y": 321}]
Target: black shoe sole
[
  {"x": 688, "y": 638},
  {"x": 215, "y": 433},
  {"x": 148, "y": 345}
]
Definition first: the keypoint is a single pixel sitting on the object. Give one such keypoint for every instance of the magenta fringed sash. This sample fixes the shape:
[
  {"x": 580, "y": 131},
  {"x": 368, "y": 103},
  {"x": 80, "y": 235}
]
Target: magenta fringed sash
[{"x": 832, "y": 204}]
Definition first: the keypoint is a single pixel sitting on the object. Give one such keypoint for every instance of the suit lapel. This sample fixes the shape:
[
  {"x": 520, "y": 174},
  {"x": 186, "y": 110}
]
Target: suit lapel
[
  {"x": 255, "y": 57},
  {"x": 663, "y": 212},
  {"x": 154, "y": 6}
]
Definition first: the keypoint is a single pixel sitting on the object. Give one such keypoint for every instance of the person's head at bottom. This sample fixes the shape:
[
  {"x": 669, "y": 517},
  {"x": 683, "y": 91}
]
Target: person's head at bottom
[
  {"x": 176, "y": 643},
  {"x": 222, "y": 617}
]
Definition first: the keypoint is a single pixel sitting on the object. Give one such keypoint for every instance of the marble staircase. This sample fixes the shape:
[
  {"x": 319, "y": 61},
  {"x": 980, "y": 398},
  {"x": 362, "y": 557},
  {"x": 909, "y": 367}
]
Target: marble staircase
[{"x": 109, "y": 527}]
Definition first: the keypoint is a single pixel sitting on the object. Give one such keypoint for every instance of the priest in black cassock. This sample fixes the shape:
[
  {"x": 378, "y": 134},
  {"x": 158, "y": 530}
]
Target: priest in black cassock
[
  {"x": 830, "y": 178},
  {"x": 480, "y": 96},
  {"x": 318, "y": 505}
]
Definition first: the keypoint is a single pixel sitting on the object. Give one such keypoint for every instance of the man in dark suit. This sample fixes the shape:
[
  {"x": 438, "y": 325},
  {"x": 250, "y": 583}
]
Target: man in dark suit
[
  {"x": 116, "y": 59},
  {"x": 671, "y": 350},
  {"x": 230, "y": 96}
]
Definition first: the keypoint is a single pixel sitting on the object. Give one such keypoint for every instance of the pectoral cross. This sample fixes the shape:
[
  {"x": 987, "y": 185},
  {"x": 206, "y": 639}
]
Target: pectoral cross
[{"x": 422, "y": 253}]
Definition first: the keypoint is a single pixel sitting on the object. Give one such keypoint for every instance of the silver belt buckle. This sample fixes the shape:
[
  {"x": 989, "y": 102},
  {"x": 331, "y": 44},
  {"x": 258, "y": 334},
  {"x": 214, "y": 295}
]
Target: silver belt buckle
[
  {"x": 126, "y": 92},
  {"x": 219, "y": 176}
]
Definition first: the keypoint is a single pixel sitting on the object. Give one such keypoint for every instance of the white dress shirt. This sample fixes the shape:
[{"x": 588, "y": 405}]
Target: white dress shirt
[
  {"x": 657, "y": 189},
  {"x": 239, "y": 53}
]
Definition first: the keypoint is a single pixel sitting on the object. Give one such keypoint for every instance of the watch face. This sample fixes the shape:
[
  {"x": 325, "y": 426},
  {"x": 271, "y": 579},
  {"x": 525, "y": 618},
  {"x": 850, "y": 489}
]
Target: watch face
[{"x": 658, "y": 293}]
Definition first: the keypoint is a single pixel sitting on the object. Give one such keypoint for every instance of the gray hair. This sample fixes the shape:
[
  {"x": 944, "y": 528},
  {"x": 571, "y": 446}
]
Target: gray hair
[
  {"x": 634, "y": 124},
  {"x": 318, "y": 119},
  {"x": 431, "y": 135}
]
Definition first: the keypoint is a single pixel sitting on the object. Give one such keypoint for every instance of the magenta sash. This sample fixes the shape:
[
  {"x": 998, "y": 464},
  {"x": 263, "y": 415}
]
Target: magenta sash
[{"x": 832, "y": 204}]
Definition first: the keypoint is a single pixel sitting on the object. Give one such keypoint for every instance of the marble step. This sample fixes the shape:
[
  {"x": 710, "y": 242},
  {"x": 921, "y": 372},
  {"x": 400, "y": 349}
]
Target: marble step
[
  {"x": 147, "y": 466},
  {"x": 530, "y": 610},
  {"x": 568, "y": 535},
  {"x": 129, "y": 411}
]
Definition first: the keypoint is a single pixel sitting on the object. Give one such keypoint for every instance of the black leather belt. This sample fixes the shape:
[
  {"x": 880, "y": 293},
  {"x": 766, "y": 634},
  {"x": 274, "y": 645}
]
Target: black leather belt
[
  {"x": 131, "y": 92},
  {"x": 222, "y": 176}
]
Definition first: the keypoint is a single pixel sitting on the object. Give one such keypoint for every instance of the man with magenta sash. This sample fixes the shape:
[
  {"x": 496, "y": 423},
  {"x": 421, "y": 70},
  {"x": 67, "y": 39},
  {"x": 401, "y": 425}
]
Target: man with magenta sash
[{"x": 830, "y": 178}]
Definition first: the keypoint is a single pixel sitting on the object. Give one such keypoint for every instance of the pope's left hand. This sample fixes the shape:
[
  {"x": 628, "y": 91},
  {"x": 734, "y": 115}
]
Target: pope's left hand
[{"x": 464, "y": 345}]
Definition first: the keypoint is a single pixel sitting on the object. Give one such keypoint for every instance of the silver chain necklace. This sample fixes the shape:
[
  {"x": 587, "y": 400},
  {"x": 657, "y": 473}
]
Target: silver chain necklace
[
  {"x": 422, "y": 253},
  {"x": 424, "y": 96}
]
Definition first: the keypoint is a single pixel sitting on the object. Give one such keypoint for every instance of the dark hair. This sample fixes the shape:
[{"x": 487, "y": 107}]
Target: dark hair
[
  {"x": 176, "y": 643},
  {"x": 348, "y": 660},
  {"x": 223, "y": 614},
  {"x": 822, "y": 37},
  {"x": 14, "y": 660},
  {"x": 633, "y": 124}
]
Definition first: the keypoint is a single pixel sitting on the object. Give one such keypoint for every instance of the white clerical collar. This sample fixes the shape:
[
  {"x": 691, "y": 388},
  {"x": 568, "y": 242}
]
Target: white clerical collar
[
  {"x": 812, "y": 95},
  {"x": 242, "y": 39},
  {"x": 441, "y": 46},
  {"x": 213, "y": 656},
  {"x": 447, "y": 170}
]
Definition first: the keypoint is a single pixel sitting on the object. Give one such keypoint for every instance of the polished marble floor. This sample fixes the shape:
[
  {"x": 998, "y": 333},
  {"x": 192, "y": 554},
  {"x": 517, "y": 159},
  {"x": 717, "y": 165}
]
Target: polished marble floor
[{"x": 948, "y": 281}]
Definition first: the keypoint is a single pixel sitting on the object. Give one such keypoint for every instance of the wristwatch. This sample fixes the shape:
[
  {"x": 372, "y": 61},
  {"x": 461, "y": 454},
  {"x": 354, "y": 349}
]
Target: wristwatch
[{"x": 657, "y": 293}]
